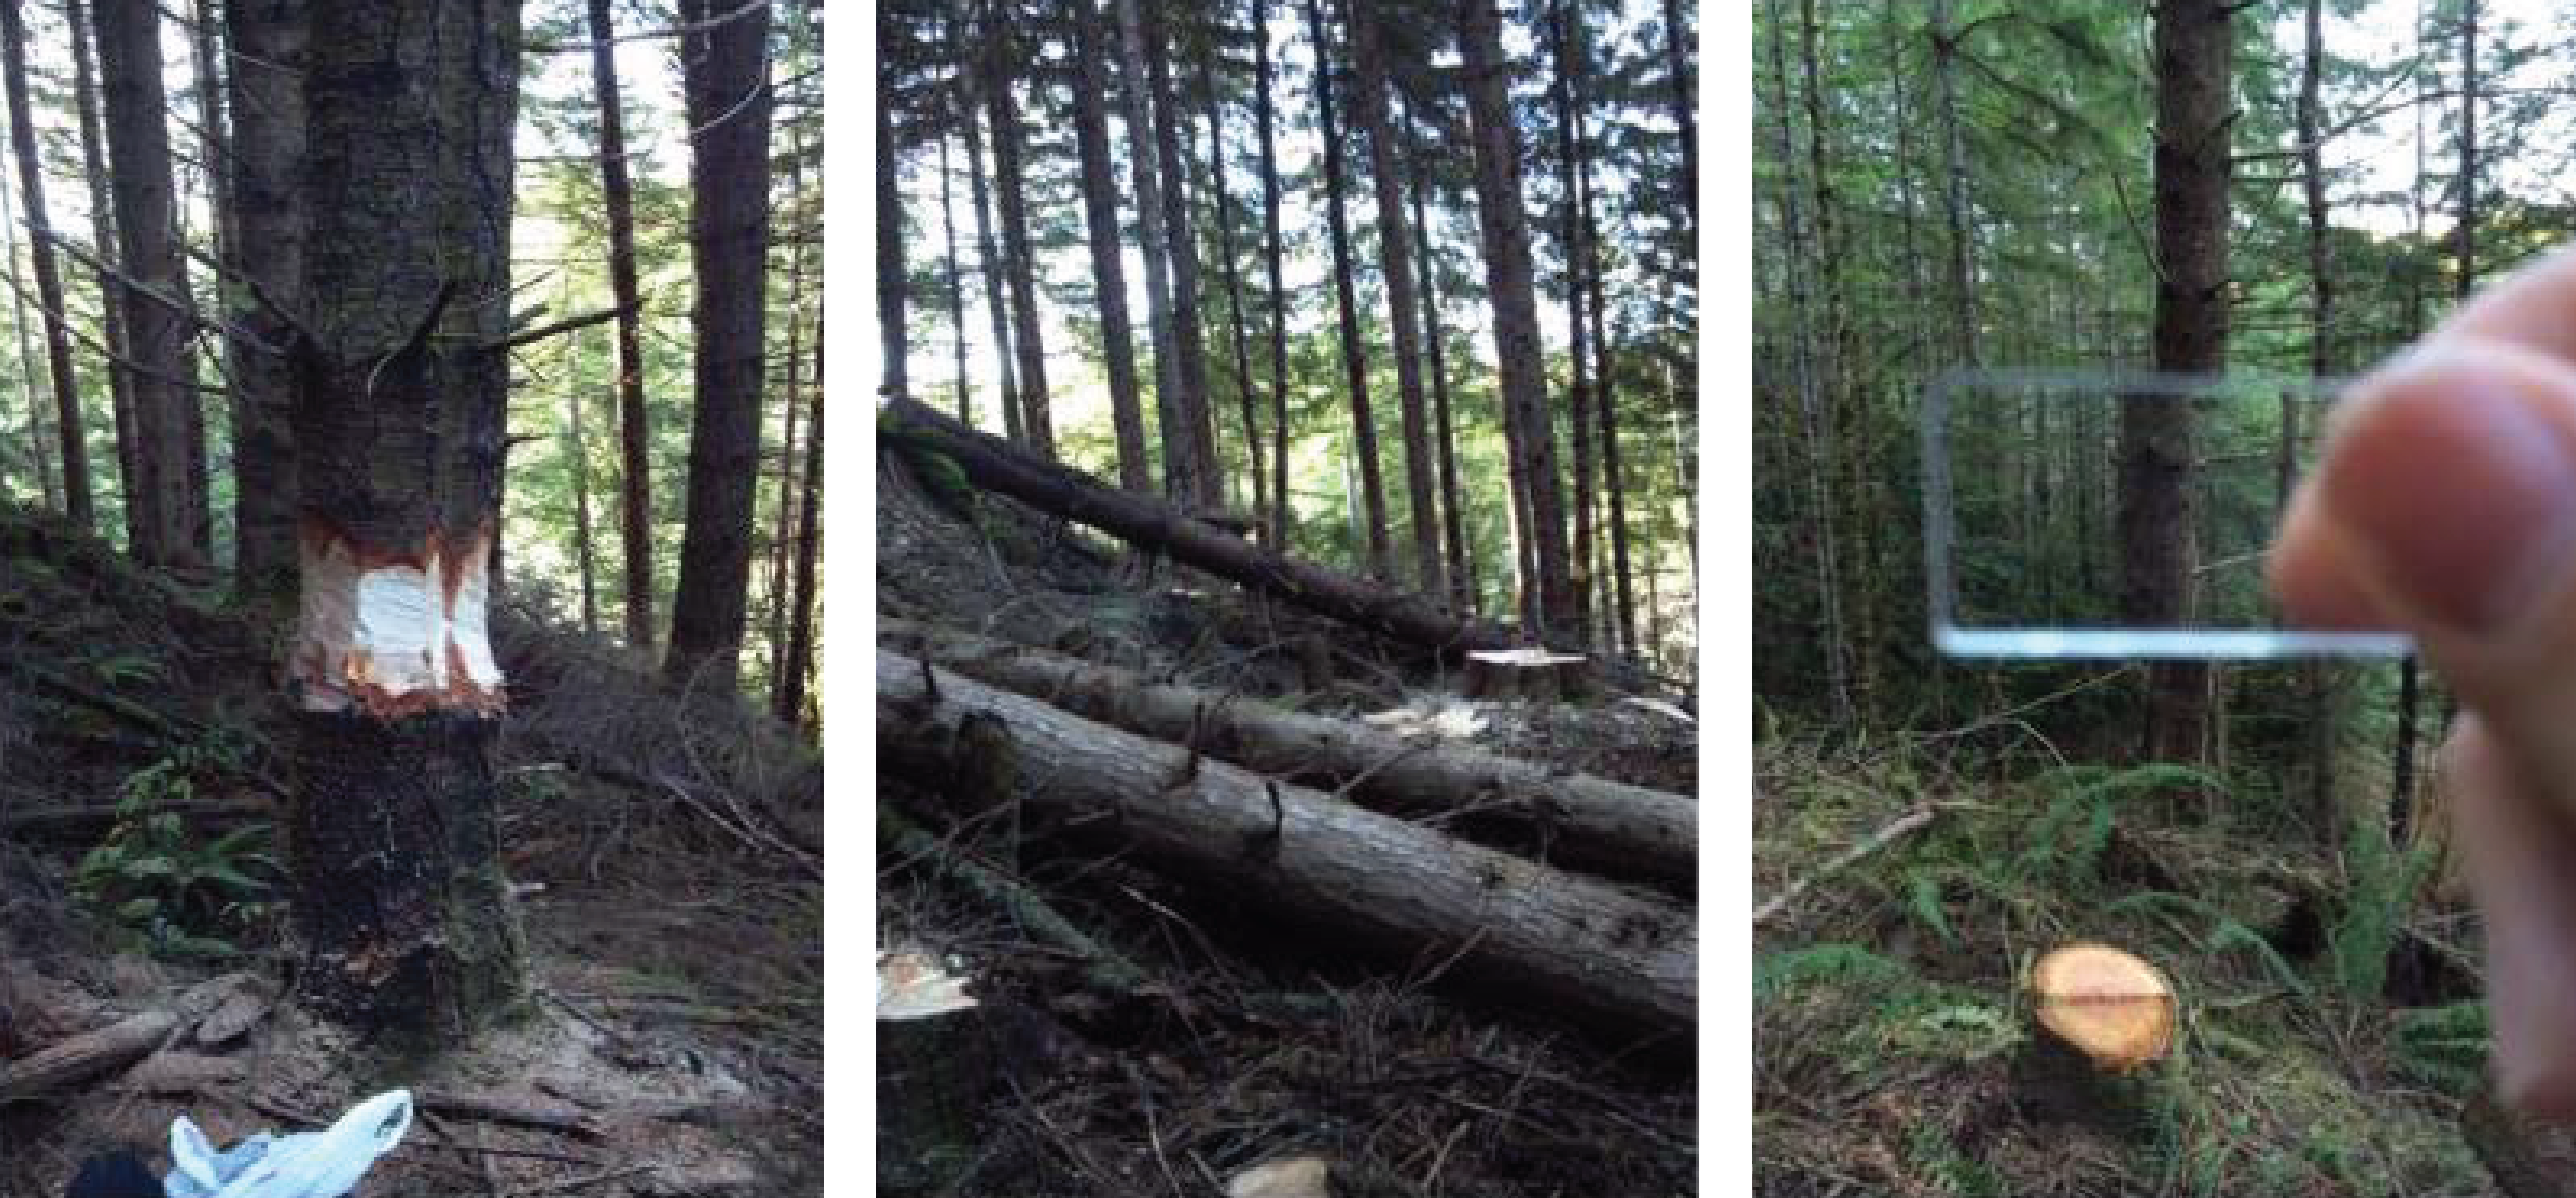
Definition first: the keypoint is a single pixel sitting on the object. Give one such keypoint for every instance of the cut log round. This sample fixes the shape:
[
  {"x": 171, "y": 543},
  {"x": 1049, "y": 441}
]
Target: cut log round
[
  {"x": 1530, "y": 675},
  {"x": 2114, "y": 1008},
  {"x": 1540, "y": 937},
  {"x": 1597, "y": 824}
]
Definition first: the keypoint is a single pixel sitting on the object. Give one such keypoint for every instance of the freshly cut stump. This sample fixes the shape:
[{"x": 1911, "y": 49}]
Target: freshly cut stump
[
  {"x": 2104, "y": 1017},
  {"x": 1531, "y": 675}
]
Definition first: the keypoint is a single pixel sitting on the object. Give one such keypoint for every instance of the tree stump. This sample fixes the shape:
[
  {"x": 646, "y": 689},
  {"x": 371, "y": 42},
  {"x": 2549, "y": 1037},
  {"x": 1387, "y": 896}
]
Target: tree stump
[
  {"x": 2104, "y": 1017},
  {"x": 1527, "y": 675}
]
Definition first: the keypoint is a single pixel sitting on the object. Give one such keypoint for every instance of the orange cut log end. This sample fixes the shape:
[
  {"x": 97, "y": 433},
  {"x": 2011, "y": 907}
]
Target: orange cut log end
[{"x": 2117, "y": 1010}]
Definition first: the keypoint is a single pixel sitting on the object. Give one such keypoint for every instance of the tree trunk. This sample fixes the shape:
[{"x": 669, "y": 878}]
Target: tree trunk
[
  {"x": 577, "y": 452},
  {"x": 40, "y": 448},
  {"x": 1395, "y": 255},
  {"x": 1581, "y": 365},
  {"x": 1509, "y": 280},
  {"x": 102, "y": 232},
  {"x": 995, "y": 466},
  {"x": 729, "y": 250},
  {"x": 1231, "y": 265},
  {"x": 1954, "y": 191},
  {"x": 1019, "y": 264},
  {"x": 2194, "y": 49},
  {"x": 799, "y": 665},
  {"x": 2314, "y": 676},
  {"x": 1108, "y": 248},
  {"x": 174, "y": 521},
  {"x": 1282, "y": 511},
  {"x": 1372, "y": 511},
  {"x": 988, "y": 257},
  {"x": 70, "y": 430},
  {"x": 260, "y": 512},
  {"x": 1677, "y": 63},
  {"x": 894, "y": 284},
  {"x": 1571, "y": 944},
  {"x": 634, "y": 435},
  {"x": 782, "y": 528},
  {"x": 1192, "y": 478},
  {"x": 1461, "y": 572},
  {"x": 956, "y": 287},
  {"x": 398, "y": 892},
  {"x": 267, "y": 195}
]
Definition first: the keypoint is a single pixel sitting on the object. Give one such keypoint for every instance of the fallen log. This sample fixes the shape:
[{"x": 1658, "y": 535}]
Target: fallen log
[
  {"x": 1601, "y": 825},
  {"x": 1565, "y": 943},
  {"x": 84, "y": 1056},
  {"x": 993, "y": 464}
]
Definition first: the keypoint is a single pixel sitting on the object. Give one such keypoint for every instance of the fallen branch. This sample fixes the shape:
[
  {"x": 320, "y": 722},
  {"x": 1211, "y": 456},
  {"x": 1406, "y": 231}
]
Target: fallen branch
[
  {"x": 497, "y": 1110},
  {"x": 1103, "y": 969},
  {"x": 85, "y": 1056},
  {"x": 1568, "y": 944},
  {"x": 1895, "y": 830}
]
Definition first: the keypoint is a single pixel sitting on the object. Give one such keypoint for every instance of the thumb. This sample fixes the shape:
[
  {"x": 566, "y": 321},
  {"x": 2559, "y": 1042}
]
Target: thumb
[{"x": 2446, "y": 508}]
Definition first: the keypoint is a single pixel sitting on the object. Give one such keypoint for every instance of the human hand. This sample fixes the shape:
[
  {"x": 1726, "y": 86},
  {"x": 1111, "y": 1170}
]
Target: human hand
[{"x": 2445, "y": 506}]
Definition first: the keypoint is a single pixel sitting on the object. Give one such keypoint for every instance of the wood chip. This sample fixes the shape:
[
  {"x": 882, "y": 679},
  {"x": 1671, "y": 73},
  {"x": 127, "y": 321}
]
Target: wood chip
[{"x": 1289, "y": 1177}]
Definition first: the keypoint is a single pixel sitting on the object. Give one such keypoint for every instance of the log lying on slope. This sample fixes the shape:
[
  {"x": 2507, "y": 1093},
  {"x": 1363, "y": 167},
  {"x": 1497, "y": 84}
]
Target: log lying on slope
[
  {"x": 1539, "y": 936},
  {"x": 1601, "y": 825},
  {"x": 993, "y": 464}
]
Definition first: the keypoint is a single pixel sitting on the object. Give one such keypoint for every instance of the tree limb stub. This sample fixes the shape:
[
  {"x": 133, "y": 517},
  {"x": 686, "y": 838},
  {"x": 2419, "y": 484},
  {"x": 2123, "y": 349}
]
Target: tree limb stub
[{"x": 1561, "y": 942}]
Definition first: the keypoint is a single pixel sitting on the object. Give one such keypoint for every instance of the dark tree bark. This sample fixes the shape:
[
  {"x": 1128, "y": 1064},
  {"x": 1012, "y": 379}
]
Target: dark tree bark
[
  {"x": 2194, "y": 50},
  {"x": 267, "y": 194},
  {"x": 1461, "y": 572},
  {"x": 1582, "y": 365},
  {"x": 728, "y": 102},
  {"x": 1372, "y": 509},
  {"x": 71, "y": 435},
  {"x": 894, "y": 284},
  {"x": 1509, "y": 280},
  {"x": 1954, "y": 190},
  {"x": 1192, "y": 478},
  {"x": 1231, "y": 265},
  {"x": 634, "y": 434},
  {"x": 1506, "y": 926},
  {"x": 1677, "y": 63},
  {"x": 988, "y": 257},
  {"x": 1153, "y": 236},
  {"x": 956, "y": 285},
  {"x": 102, "y": 233},
  {"x": 782, "y": 534},
  {"x": 1282, "y": 512},
  {"x": 403, "y": 908},
  {"x": 1605, "y": 403},
  {"x": 789, "y": 700},
  {"x": 39, "y": 446},
  {"x": 577, "y": 452},
  {"x": 170, "y": 469},
  {"x": 1019, "y": 261},
  {"x": 1108, "y": 256},
  {"x": 1395, "y": 249}
]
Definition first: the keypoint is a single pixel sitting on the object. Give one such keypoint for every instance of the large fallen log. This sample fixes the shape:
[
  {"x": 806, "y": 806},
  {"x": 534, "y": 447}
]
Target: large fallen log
[
  {"x": 49, "y": 1069},
  {"x": 1538, "y": 936},
  {"x": 1600, "y": 825},
  {"x": 995, "y": 465}
]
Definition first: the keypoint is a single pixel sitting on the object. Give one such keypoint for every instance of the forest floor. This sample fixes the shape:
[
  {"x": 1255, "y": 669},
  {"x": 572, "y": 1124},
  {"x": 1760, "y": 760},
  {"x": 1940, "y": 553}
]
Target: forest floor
[
  {"x": 1249, "y": 1042},
  {"x": 665, "y": 850},
  {"x": 2330, "y": 1039}
]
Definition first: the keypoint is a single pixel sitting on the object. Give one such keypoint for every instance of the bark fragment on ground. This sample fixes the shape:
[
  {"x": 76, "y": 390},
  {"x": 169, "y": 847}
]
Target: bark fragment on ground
[{"x": 1537, "y": 935}]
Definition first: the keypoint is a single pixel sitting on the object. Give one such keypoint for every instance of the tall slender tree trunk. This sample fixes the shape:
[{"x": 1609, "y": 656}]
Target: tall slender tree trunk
[
  {"x": 2194, "y": 49},
  {"x": 1509, "y": 281},
  {"x": 40, "y": 448},
  {"x": 956, "y": 285},
  {"x": 2315, "y": 677},
  {"x": 894, "y": 284},
  {"x": 634, "y": 433},
  {"x": 1677, "y": 64},
  {"x": 69, "y": 428},
  {"x": 728, "y": 101},
  {"x": 1581, "y": 364},
  {"x": 1282, "y": 512},
  {"x": 103, "y": 237},
  {"x": 781, "y": 538},
  {"x": 1231, "y": 265},
  {"x": 1843, "y": 397},
  {"x": 1815, "y": 415},
  {"x": 1019, "y": 260},
  {"x": 988, "y": 257},
  {"x": 1345, "y": 291},
  {"x": 268, "y": 512},
  {"x": 577, "y": 456},
  {"x": 1605, "y": 401},
  {"x": 168, "y": 484},
  {"x": 1108, "y": 247},
  {"x": 1153, "y": 234},
  {"x": 1461, "y": 572},
  {"x": 1395, "y": 255},
  {"x": 1954, "y": 190},
  {"x": 405, "y": 916},
  {"x": 799, "y": 664},
  {"x": 267, "y": 38},
  {"x": 1201, "y": 484}
]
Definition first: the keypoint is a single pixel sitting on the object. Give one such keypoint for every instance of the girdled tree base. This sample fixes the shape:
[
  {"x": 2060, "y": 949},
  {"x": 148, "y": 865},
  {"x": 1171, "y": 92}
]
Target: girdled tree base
[{"x": 408, "y": 929}]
